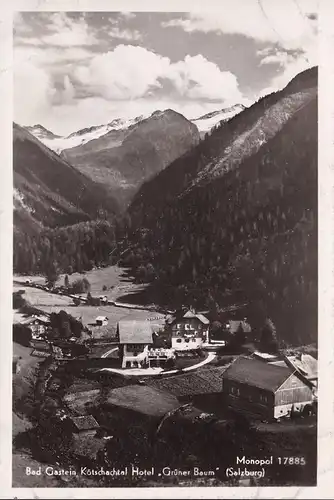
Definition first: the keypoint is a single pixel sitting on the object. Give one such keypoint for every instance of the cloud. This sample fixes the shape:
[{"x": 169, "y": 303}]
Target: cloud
[
  {"x": 197, "y": 78},
  {"x": 125, "y": 34},
  {"x": 127, "y": 72},
  {"x": 53, "y": 29},
  {"x": 262, "y": 20},
  {"x": 291, "y": 38},
  {"x": 33, "y": 92},
  {"x": 291, "y": 68},
  {"x": 20, "y": 27},
  {"x": 128, "y": 15},
  {"x": 67, "y": 32},
  {"x": 131, "y": 72},
  {"x": 127, "y": 81}
]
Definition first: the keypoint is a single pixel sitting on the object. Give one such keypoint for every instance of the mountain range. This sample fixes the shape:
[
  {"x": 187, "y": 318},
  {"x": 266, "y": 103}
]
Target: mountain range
[
  {"x": 126, "y": 157},
  {"x": 229, "y": 219},
  {"x": 60, "y": 143},
  {"x": 124, "y": 153},
  {"x": 238, "y": 215}
]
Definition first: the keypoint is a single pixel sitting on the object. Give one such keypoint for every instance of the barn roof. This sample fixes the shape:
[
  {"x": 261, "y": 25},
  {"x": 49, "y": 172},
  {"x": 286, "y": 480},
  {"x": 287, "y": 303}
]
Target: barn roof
[
  {"x": 204, "y": 381},
  {"x": 256, "y": 373},
  {"x": 85, "y": 422},
  {"x": 142, "y": 399},
  {"x": 39, "y": 319},
  {"x": 135, "y": 332},
  {"x": 87, "y": 445},
  {"x": 306, "y": 364}
]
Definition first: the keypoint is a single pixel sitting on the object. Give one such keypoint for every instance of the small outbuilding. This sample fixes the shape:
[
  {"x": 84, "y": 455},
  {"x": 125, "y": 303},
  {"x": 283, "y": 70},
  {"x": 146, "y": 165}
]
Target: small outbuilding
[{"x": 101, "y": 320}]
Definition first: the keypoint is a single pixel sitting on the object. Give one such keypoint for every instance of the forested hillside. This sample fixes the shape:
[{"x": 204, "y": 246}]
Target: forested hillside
[
  {"x": 49, "y": 190},
  {"x": 235, "y": 220},
  {"x": 50, "y": 193},
  {"x": 78, "y": 247}
]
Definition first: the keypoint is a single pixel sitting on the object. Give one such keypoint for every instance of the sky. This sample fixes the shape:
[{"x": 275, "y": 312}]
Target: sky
[{"x": 77, "y": 69}]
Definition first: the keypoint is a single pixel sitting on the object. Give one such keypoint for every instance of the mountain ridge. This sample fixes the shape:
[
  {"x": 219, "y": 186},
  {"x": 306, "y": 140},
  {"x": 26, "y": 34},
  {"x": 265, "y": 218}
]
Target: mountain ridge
[
  {"x": 246, "y": 233},
  {"x": 49, "y": 190},
  {"x": 124, "y": 159}
]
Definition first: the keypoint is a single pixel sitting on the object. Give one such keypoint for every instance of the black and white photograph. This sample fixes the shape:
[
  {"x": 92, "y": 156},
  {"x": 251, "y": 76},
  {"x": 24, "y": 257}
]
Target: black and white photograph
[{"x": 165, "y": 247}]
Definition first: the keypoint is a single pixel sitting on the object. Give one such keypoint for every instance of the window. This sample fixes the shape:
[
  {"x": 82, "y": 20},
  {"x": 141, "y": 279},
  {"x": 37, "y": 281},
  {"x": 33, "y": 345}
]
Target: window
[
  {"x": 186, "y": 340},
  {"x": 178, "y": 326},
  {"x": 235, "y": 391},
  {"x": 193, "y": 340},
  {"x": 186, "y": 326},
  {"x": 263, "y": 398},
  {"x": 178, "y": 341}
]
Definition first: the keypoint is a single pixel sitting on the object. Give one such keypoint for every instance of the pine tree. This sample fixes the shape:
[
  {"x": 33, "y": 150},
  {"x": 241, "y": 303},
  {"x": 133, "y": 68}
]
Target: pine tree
[
  {"x": 66, "y": 281},
  {"x": 268, "y": 340}
]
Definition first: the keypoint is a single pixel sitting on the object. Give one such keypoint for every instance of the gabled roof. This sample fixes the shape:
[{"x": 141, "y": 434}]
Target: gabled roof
[
  {"x": 306, "y": 364},
  {"x": 39, "y": 319},
  {"x": 135, "y": 332},
  {"x": 142, "y": 399},
  {"x": 256, "y": 373},
  {"x": 85, "y": 422},
  {"x": 203, "y": 381},
  {"x": 189, "y": 314}
]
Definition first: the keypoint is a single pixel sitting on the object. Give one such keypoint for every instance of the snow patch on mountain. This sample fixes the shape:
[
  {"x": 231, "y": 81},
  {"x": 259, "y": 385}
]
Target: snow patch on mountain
[
  {"x": 20, "y": 201},
  {"x": 59, "y": 143},
  {"x": 206, "y": 122}
]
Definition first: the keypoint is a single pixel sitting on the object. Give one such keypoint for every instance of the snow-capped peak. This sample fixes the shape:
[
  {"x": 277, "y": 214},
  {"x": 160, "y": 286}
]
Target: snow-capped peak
[
  {"x": 206, "y": 122},
  {"x": 39, "y": 131},
  {"x": 80, "y": 137}
]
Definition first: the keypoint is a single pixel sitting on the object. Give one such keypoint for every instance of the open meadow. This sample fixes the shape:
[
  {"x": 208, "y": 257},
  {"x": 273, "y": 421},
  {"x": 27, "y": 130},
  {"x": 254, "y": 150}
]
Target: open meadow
[
  {"x": 111, "y": 277},
  {"x": 109, "y": 281}
]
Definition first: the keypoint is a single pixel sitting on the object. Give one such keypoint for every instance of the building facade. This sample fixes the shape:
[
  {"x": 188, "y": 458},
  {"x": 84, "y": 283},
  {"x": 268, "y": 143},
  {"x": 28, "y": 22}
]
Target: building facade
[
  {"x": 135, "y": 337},
  {"x": 265, "y": 390},
  {"x": 189, "y": 331}
]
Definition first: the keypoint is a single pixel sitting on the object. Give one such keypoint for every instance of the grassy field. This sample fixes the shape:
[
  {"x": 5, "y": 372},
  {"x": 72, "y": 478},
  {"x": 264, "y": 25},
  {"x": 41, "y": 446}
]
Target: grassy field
[
  {"x": 113, "y": 278},
  {"x": 40, "y": 298},
  {"x": 49, "y": 303}
]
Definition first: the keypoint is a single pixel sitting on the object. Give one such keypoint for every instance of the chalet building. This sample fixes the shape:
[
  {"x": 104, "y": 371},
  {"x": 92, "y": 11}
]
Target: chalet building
[
  {"x": 67, "y": 349},
  {"x": 265, "y": 390},
  {"x": 135, "y": 337},
  {"x": 101, "y": 320},
  {"x": 189, "y": 330}
]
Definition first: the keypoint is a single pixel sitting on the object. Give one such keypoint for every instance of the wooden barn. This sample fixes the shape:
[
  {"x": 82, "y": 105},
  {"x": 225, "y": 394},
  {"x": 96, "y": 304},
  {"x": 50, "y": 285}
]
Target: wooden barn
[{"x": 265, "y": 390}]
